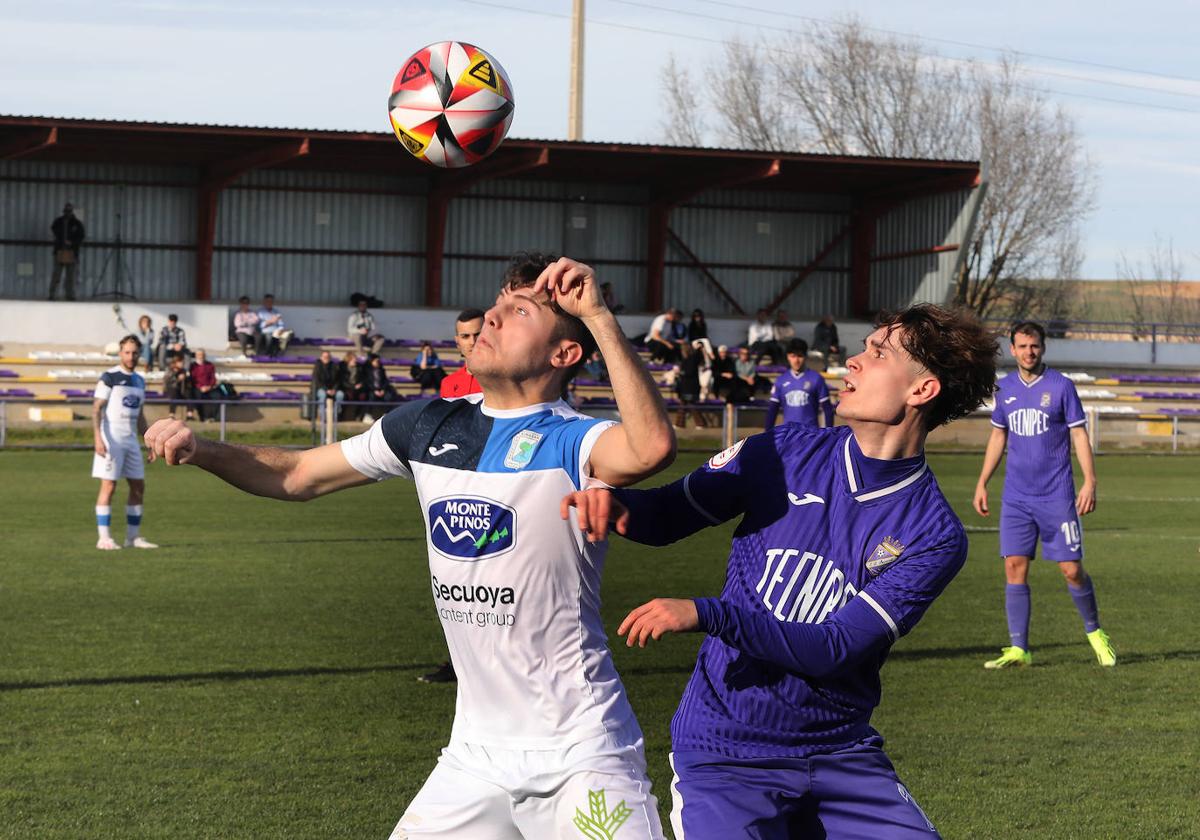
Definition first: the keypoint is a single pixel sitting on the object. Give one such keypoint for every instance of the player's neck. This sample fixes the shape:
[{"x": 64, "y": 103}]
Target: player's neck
[
  {"x": 507, "y": 394},
  {"x": 1029, "y": 376},
  {"x": 887, "y": 442}
]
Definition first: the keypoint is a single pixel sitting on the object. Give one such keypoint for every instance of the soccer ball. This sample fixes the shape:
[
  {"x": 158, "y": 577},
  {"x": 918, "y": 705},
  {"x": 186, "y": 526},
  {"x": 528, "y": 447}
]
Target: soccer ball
[{"x": 451, "y": 104}]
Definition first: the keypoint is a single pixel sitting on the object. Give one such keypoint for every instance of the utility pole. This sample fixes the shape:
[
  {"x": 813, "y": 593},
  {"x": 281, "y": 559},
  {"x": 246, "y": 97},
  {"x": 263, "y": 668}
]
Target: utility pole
[{"x": 575, "y": 113}]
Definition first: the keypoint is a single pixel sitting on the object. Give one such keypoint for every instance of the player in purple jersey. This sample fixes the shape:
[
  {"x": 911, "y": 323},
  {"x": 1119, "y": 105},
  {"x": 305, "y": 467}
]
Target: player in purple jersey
[
  {"x": 845, "y": 540},
  {"x": 800, "y": 391},
  {"x": 1039, "y": 416}
]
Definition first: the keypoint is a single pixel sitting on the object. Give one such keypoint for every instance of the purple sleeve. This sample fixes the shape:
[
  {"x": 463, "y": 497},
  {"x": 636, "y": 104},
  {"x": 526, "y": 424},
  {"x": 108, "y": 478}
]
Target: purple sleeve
[
  {"x": 772, "y": 413},
  {"x": 710, "y": 495},
  {"x": 1072, "y": 406},
  {"x": 999, "y": 420},
  {"x": 824, "y": 401},
  {"x": 890, "y": 606}
]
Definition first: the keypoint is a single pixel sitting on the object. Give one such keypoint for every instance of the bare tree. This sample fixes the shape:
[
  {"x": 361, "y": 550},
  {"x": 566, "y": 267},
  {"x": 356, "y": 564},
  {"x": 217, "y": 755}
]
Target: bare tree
[
  {"x": 1156, "y": 291},
  {"x": 683, "y": 122},
  {"x": 842, "y": 90}
]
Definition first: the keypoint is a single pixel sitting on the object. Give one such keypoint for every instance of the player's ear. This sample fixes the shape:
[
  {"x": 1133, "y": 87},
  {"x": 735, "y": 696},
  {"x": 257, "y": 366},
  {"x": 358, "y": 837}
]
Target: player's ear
[
  {"x": 566, "y": 354},
  {"x": 924, "y": 390}
]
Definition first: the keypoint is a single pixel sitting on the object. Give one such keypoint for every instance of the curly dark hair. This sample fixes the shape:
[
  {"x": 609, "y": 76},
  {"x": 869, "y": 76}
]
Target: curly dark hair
[
  {"x": 523, "y": 271},
  {"x": 956, "y": 348}
]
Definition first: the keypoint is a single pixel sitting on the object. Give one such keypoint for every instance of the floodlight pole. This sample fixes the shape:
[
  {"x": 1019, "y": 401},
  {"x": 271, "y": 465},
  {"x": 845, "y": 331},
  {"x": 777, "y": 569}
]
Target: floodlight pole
[{"x": 575, "y": 112}]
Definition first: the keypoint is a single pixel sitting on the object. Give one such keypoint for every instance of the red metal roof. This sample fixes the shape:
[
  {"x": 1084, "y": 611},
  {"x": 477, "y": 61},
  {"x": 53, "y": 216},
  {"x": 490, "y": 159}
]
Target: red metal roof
[{"x": 660, "y": 167}]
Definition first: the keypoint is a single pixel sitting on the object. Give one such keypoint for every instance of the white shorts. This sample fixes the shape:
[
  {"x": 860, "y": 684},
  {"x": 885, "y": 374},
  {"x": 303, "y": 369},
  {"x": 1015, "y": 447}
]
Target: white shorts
[
  {"x": 597, "y": 789},
  {"x": 124, "y": 460}
]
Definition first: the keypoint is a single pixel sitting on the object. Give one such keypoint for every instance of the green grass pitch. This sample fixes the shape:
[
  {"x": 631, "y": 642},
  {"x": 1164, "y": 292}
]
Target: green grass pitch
[{"x": 255, "y": 677}]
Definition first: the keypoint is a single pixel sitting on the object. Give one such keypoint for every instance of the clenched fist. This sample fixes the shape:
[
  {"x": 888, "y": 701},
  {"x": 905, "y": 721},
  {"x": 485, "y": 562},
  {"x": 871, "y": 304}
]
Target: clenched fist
[{"x": 172, "y": 441}]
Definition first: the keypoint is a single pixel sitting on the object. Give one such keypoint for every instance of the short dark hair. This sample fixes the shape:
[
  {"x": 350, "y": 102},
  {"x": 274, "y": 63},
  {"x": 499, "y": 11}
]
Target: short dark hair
[
  {"x": 269, "y": 295},
  {"x": 244, "y": 299},
  {"x": 1027, "y": 328},
  {"x": 130, "y": 339},
  {"x": 523, "y": 270},
  {"x": 956, "y": 348},
  {"x": 468, "y": 315},
  {"x": 798, "y": 346},
  {"x": 172, "y": 317}
]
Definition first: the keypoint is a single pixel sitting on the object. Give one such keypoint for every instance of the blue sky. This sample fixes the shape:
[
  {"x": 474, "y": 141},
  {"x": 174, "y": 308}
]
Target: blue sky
[{"x": 330, "y": 65}]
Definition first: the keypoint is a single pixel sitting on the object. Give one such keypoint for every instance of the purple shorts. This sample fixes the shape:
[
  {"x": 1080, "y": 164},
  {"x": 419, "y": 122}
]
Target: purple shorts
[
  {"x": 852, "y": 792},
  {"x": 1053, "y": 521}
]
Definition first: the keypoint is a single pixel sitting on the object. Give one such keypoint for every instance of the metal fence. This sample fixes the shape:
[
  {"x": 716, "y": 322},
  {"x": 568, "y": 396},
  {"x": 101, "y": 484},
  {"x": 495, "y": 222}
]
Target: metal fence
[
  {"x": 1109, "y": 432},
  {"x": 1154, "y": 333}
]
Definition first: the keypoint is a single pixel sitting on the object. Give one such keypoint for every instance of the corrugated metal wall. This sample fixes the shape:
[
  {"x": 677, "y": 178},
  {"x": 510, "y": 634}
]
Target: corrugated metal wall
[
  {"x": 157, "y": 222},
  {"x": 315, "y": 237},
  {"x": 282, "y": 231},
  {"x": 922, "y": 223}
]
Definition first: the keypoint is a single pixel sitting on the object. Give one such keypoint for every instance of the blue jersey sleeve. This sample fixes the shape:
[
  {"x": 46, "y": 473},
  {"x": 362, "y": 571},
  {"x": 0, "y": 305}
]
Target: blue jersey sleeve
[
  {"x": 887, "y": 608},
  {"x": 1072, "y": 406},
  {"x": 824, "y": 401},
  {"x": 712, "y": 494},
  {"x": 999, "y": 418}
]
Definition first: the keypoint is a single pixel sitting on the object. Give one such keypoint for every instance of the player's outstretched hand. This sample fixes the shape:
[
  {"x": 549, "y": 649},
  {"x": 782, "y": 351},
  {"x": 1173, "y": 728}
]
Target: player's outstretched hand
[
  {"x": 596, "y": 509},
  {"x": 1085, "y": 502},
  {"x": 573, "y": 286},
  {"x": 170, "y": 440},
  {"x": 654, "y": 618},
  {"x": 981, "y": 505}
]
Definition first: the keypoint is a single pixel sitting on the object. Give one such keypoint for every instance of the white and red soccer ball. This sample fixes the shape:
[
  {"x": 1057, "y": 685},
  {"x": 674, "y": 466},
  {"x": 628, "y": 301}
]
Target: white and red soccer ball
[{"x": 451, "y": 104}]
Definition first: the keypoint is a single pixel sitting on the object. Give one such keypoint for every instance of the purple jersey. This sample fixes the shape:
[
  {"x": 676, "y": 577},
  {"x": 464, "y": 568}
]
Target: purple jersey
[
  {"x": 1038, "y": 416},
  {"x": 836, "y": 557},
  {"x": 800, "y": 395}
]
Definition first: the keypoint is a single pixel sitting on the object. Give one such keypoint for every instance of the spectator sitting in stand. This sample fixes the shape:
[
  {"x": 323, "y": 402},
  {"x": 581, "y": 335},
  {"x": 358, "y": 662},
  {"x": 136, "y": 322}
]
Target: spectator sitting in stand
[
  {"x": 761, "y": 338},
  {"x": 596, "y": 369},
  {"x": 379, "y": 388},
  {"x": 724, "y": 373},
  {"x": 427, "y": 369},
  {"x": 697, "y": 328},
  {"x": 172, "y": 343},
  {"x": 327, "y": 381},
  {"x": 204, "y": 386},
  {"x": 145, "y": 334},
  {"x": 245, "y": 328},
  {"x": 660, "y": 340},
  {"x": 687, "y": 385},
  {"x": 177, "y": 386},
  {"x": 783, "y": 330},
  {"x": 275, "y": 334},
  {"x": 610, "y": 298},
  {"x": 360, "y": 327},
  {"x": 747, "y": 382},
  {"x": 825, "y": 341},
  {"x": 354, "y": 385}
]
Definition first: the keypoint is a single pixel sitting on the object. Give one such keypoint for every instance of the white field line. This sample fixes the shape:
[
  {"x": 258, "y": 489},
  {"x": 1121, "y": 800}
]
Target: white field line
[{"x": 1134, "y": 533}]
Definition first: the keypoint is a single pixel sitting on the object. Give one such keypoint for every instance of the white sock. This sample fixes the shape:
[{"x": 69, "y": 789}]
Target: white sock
[
  {"x": 103, "y": 520},
  {"x": 133, "y": 521}
]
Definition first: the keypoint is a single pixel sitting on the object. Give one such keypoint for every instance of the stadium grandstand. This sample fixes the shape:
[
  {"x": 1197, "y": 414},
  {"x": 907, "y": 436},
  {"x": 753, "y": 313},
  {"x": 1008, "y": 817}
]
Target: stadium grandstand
[{"x": 187, "y": 218}]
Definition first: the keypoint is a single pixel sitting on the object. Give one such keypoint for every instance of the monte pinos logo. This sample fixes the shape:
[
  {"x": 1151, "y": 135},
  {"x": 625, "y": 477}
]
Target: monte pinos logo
[{"x": 471, "y": 527}]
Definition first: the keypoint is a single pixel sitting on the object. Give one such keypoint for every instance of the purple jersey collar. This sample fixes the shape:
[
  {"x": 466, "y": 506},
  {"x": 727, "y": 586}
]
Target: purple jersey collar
[{"x": 852, "y": 454}]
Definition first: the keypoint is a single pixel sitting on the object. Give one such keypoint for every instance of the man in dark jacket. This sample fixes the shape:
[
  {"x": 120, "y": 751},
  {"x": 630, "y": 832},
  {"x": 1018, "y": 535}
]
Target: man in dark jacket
[
  {"x": 68, "y": 236},
  {"x": 825, "y": 340},
  {"x": 328, "y": 381}
]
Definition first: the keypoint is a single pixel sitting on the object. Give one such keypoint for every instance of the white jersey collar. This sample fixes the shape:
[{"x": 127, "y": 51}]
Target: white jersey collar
[
  {"x": 861, "y": 495},
  {"x": 523, "y": 411}
]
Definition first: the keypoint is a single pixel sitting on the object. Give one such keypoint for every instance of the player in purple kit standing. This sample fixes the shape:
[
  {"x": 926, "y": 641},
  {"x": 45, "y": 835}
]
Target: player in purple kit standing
[
  {"x": 800, "y": 391},
  {"x": 844, "y": 542},
  {"x": 1038, "y": 415}
]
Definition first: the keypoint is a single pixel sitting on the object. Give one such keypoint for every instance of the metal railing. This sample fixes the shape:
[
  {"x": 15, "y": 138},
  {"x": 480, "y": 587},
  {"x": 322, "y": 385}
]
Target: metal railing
[{"x": 1153, "y": 332}]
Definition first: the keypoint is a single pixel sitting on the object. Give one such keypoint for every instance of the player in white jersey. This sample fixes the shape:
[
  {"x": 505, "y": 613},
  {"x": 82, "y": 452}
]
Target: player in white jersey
[
  {"x": 544, "y": 742},
  {"x": 118, "y": 424}
]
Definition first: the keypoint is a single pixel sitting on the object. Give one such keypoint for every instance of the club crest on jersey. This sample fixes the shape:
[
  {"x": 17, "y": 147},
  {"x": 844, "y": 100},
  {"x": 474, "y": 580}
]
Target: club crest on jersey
[
  {"x": 520, "y": 451},
  {"x": 1045, "y": 399},
  {"x": 471, "y": 527},
  {"x": 131, "y": 400},
  {"x": 722, "y": 458},
  {"x": 884, "y": 555}
]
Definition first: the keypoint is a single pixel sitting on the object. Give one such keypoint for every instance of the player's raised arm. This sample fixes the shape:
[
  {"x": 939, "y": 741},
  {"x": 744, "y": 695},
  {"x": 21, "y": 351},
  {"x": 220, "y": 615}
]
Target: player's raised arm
[
  {"x": 644, "y": 442},
  {"x": 289, "y": 475}
]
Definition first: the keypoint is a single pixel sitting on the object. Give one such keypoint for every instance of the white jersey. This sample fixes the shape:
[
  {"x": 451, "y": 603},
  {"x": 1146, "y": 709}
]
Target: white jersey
[
  {"x": 125, "y": 392},
  {"x": 516, "y": 588}
]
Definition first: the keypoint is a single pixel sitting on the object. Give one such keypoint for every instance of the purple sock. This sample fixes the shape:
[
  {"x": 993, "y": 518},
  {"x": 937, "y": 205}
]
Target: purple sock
[
  {"x": 1085, "y": 601},
  {"x": 1016, "y": 605}
]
